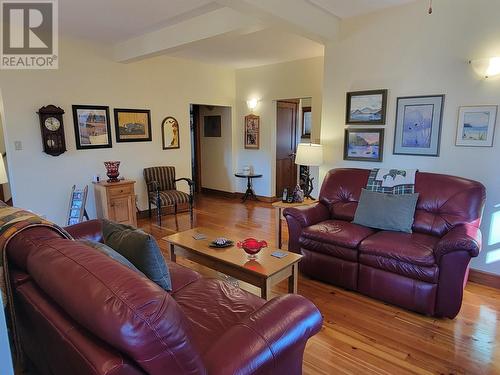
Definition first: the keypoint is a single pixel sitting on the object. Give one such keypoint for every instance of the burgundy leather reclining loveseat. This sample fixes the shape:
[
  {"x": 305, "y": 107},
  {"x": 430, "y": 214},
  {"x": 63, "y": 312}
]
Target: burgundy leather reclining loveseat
[
  {"x": 424, "y": 271},
  {"x": 80, "y": 313}
]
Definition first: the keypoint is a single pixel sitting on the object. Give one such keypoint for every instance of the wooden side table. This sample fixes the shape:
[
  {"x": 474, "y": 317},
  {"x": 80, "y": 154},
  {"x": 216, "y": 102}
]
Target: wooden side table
[
  {"x": 116, "y": 201},
  {"x": 249, "y": 193},
  {"x": 279, "y": 207}
]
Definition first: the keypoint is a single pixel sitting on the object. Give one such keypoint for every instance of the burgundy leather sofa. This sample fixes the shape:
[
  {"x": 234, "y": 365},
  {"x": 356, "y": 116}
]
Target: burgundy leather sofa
[
  {"x": 424, "y": 271},
  {"x": 80, "y": 312}
]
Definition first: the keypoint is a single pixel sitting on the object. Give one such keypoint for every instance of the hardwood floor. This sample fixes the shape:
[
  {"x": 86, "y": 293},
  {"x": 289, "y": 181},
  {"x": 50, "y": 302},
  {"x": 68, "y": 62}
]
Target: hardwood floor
[{"x": 361, "y": 335}]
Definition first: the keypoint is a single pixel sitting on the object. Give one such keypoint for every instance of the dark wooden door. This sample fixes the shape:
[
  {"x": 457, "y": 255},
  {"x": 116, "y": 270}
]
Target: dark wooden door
[
  {"x": 286, "y": 145},
  {"x": 196, "y": 147}
]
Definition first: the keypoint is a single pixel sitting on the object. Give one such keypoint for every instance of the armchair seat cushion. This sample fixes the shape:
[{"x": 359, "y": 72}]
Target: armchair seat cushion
[
  {"x": 170, "y": 197},
  {"x": 406, "y": 254},
  {"x": 218, "y": 307},
  {"x": 337, "y": 233}
]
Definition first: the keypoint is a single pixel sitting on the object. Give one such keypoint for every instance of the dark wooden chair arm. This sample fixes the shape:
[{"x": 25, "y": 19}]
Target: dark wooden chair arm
[
  {"x": 188, "y": 180},
  {"x": 191, "y": 187}
]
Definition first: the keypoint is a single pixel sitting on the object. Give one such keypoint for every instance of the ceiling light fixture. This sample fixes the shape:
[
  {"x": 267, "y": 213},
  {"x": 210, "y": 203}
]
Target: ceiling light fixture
[{"x": 430, "y": 7}]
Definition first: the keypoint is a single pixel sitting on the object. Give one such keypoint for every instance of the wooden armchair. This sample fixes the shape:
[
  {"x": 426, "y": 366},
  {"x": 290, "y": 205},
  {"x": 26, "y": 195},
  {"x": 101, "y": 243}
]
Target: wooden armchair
[{"x": 162, "y": 190}]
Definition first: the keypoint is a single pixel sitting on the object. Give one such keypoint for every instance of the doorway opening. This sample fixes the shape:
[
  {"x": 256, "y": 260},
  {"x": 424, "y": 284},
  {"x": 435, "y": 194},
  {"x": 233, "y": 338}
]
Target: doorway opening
[
  {"x": 293, "y": 126},
  {"x": 211, "y": 147}
]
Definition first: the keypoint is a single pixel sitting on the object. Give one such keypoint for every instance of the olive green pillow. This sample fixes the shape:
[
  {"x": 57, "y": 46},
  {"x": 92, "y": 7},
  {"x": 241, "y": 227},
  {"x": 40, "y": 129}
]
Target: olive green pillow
[
  {"x": 386, "y": 211},
  {"x": 140, "y": 249}
]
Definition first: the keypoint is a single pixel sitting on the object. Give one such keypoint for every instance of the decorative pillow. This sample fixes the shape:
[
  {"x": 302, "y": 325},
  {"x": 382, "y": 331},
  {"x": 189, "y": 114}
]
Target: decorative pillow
[
  {"x": 106, "y": 250},
  {"x": 386, "y": 211},
  {"x": 140, "y": 249}
]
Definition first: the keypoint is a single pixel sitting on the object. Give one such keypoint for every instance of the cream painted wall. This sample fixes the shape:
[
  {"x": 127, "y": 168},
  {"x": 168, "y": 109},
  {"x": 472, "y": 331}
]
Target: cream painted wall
[
  {"x": 216, "y": 152},
  {"x": 295, "y": 79},
  {"x": 87, "y": 75},
  {"x": 6, "y": 187},
  {"x": 411, "y": 53}
]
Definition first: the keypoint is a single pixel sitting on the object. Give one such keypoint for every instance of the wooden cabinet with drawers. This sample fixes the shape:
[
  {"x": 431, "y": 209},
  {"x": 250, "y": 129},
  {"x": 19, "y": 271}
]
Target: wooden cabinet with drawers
[{"x": 116, "y": 201}]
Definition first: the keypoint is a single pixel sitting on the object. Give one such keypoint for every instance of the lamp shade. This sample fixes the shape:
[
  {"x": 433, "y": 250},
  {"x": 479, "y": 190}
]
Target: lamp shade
[
  {"x": 309, "y": 154},
  {"x": 3, "y": 173}
]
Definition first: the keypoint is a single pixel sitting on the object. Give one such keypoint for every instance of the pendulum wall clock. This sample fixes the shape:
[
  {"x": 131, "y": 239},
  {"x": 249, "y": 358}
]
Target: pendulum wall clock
[{"x": 51, "y": 124}]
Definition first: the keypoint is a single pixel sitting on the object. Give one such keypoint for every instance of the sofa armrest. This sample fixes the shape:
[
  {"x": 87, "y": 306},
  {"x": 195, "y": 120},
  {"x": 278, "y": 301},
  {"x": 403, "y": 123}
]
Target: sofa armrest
[
  {"x": 87, "y": 230},
  {"x": 308, "y": 215},
  {"x": 272, "y": 339},
  {"x": 463, "y": 237}
]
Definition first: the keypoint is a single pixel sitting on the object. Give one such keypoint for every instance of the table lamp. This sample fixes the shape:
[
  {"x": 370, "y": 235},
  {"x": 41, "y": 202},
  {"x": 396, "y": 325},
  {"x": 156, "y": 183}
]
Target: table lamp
[
  {"x": 3, "y": 173},
  {"x": 309, "y": 155}
]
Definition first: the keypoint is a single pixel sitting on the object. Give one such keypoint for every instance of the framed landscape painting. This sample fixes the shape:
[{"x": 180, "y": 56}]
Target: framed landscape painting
[
  {"x": 92, "y": 129},
  {"x": 418, "y": 125},
  {"x": 476, "y": 126},
  {"x": 132, "y": 125},
  {"x": 364, "y": 144},
  {"x": 252, "y": 131},
  {"x": 366, "y": 107}
]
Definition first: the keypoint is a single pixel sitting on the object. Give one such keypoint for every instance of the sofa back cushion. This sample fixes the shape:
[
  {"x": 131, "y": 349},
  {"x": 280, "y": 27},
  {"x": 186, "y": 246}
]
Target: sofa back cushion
[
  {"x": 114, "y": 303},
  {"x": 444, "y": 201}
]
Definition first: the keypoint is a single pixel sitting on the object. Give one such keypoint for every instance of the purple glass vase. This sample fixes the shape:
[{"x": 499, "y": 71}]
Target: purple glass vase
[{"x": 112, "y": 170}]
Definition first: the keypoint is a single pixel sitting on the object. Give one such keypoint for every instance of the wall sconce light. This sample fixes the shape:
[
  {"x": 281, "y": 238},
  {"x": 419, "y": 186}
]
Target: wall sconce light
[
  {"x": 252, "y": 103},
  {"x": 486, "y": 68}
]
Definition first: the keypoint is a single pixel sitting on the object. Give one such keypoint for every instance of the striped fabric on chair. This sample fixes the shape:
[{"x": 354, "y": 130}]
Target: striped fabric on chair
[{"x": 164, "y": 176}]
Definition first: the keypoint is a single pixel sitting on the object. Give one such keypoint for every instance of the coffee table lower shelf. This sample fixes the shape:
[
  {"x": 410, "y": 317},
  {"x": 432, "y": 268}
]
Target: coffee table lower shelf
[{"x": 263, "y": 282}]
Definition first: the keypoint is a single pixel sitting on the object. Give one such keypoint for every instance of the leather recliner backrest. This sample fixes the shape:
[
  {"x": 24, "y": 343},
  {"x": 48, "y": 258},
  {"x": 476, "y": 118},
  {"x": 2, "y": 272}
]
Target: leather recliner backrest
[
  {"x": 444, "y": 201},
  {"x": 116, "y": 304}
]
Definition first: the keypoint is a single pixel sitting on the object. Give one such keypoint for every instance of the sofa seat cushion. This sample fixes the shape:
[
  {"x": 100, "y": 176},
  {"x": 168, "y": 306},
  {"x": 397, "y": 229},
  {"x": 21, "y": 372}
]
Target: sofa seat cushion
[
  {"x": 414, "y": 248},
  {"x": 213, "y": 306},
  {"x": 337, "y": 232},
  {"x": 407, "y": 254},
  {"x": 329, "y": 249}
]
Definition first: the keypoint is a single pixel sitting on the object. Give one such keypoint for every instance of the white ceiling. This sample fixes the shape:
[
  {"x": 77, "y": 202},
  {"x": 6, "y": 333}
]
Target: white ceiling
[
  {"x": 351, "y": 8},
  {"x": 114, "y": 21},
  {"x": 267, "y": 46}
]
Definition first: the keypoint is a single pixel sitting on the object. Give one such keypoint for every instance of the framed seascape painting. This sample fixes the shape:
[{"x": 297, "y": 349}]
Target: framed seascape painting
[
  {"x": 170, "y": 133},
  {"x": 476, "y": 126},
  {"x": 418, "y": 125},
  {"x": 252, "y": 128},
  {"x": 364, "y": 144},
  {"x": 366, "y": 107},
  {"x": 92, "y": 129},
  {"x": 132, "y": 125}
]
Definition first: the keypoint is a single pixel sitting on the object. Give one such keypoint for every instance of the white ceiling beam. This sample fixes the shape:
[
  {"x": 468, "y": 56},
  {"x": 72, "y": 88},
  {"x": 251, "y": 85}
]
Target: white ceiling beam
[
  {"x": 216, "y": 22},
  {"x": 298, "y": 16}
]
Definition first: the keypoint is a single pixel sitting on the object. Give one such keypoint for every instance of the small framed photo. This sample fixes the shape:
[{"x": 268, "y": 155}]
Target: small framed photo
[
  {"x": 476, "y": 126},
  {"x": 306, "y": 122},
  {"x": 170, "y": 133},
  {"x": 364, "y": 144},
  {"x": 132, "y": 125},
  {"x": 366, "y": 107},
  {"x": 212, "y": 126},
  {"x": 418, "y": 125},
  {"x": 92, "y": 128},
  {"x": 252, "y": 131}
]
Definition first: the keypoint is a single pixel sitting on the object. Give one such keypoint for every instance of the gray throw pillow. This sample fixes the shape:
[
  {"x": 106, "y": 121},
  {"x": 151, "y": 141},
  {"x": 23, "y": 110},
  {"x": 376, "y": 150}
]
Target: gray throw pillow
[
  {"x": 140, "y": 249},
  {"x": 106, "y": 250},
  {"x": 386, "y": 211}
]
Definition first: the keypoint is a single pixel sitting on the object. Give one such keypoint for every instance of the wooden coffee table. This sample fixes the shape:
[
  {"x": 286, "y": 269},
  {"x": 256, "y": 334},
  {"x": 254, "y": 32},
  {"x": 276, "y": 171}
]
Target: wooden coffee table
[{"x": 263, "y": 272}]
